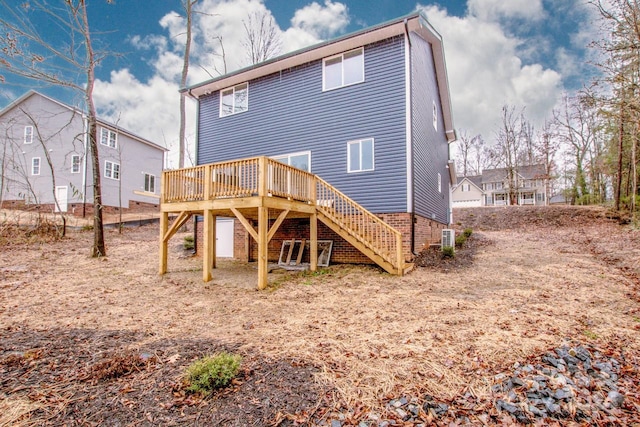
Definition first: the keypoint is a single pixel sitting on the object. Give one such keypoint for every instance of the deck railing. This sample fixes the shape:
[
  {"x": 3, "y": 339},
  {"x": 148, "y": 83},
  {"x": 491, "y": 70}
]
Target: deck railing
[
  {"x": 237, "y": 178},
  {"x": 262, "y": 176}
]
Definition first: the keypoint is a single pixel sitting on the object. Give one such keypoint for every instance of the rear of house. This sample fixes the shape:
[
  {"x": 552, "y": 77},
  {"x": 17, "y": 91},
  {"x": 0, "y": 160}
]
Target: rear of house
[{"x": 369, "y": 113}]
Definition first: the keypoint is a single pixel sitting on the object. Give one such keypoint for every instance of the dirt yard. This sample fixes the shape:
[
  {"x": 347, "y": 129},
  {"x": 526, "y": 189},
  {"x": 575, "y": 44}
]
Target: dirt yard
[{"x": 106, "y": 341}]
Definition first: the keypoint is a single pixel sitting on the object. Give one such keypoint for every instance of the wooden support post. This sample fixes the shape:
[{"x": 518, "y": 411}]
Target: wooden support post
[
  {"x": 263, "y": 246},
  {"x": 164, "y": 225},
  {"x": 262, "y": 176},
  {"x": 399, "y": 255},
  {"x": 207, "y": 245},
  {"x": 214, "y": 242},
  {"x": 313, "y": 244}
]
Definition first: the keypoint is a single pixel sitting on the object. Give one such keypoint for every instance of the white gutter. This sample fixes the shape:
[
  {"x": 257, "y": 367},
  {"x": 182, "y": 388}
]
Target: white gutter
[
  {"x": 407, "y": 114},
  {"x": 85, "y": 126}
]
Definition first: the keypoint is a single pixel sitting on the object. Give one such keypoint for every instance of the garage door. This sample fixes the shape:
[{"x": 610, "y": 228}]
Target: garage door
[
  {"x": 467, "y": 203},
  {"x": 224, "y": 238}
]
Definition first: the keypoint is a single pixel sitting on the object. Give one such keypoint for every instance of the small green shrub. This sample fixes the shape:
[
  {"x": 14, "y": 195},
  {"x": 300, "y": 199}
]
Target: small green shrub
[
  {"x": 212, "y": 372},
  {"x": 460, "y": 239},
  {"x": 189, "y": 243},
  {"x": 448, "y": 252},
  {"x": 467, "y": 232}
]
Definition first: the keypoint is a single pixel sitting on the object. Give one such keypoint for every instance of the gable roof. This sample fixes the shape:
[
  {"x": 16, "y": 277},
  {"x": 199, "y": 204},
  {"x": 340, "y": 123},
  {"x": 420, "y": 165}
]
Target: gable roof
[
  {"x": 75, "y": 110},
  {"x": 415, "y": 22},
  {"x": 526, "y": 172},
  {"x": 475, "y": 180}
]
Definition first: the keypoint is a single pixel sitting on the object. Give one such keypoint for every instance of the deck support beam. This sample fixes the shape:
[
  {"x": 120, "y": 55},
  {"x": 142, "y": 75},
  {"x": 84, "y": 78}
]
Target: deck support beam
[
  {"x": 208, "y": 245},
  {"x": 164, "y": 225},
  {"x": 263, "y": 246},
  {"x": 313, "y": 244}
]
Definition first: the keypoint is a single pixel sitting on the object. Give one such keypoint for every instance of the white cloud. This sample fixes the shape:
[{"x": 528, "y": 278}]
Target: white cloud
[
  {"x": 322, "y": 22},
  {"x": 151, "y": 108},
  {"x": 486, "y": 72},
  {"x": 493, "y": 10}
]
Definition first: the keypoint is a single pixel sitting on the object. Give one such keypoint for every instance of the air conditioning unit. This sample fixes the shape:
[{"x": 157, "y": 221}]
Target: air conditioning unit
[{"x": 448, "y": 238}]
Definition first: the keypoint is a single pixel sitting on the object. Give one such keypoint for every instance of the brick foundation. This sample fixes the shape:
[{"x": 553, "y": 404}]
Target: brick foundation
[{"x": 245, "y": 248}]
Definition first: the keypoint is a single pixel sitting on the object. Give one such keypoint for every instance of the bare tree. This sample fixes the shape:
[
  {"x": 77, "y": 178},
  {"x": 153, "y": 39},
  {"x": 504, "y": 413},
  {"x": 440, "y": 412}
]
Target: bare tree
[
  {"x": 471, "y": 154},
  {"x": 188, "y": 9},
  {"x": 262, "y": 37},
  {"x": 546, "y": 148},
  {"x": 507, "y": 147},
  {"x": 26, "y": 53}
]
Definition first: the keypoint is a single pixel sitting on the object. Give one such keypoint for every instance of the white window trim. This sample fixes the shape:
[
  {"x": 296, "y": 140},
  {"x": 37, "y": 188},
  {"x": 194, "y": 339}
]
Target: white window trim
[
  {"x": 33, "y": 165},
  {"x": 373, "y": 154},
  {"x": 109, "y": 133},
  {"x": 324, "y": 61},
  {"x": 30, "y": 134},
  {"x": 112, "y": 172},
  {"x": 145, "y": 182},
  {"x": 233, "y": 88},
  {"x": 435, "y": 116},
  {"x": 289, "y": 155},
  {"x": 439, "y": 183},
  {"x": 76, "y": 156}
]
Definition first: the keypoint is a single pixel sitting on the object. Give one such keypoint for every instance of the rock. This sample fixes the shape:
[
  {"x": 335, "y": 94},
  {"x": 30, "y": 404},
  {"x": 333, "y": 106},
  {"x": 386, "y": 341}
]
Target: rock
[
  {"x": 552, "y": 408},
  {"x": 336, "y": 423},
  {"x": 404, "y": 416},
  {"x": 397, "y": 404},
  {"x": 413, "y": 409},
  {"x": 615, "y": 398},
  {"x": 550, "y": 360},
  {"x": 563, "y": 393},
  {"x": 506, "y": 406},
  {"x": 537, "y": 412},
  {"x": 517, "y": 382}
]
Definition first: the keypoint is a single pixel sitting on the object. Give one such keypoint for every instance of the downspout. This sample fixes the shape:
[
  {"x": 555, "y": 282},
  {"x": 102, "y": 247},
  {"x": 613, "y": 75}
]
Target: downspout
[
  {"x": 85, "y": 129},
  {"x": 408, "y": 130}
]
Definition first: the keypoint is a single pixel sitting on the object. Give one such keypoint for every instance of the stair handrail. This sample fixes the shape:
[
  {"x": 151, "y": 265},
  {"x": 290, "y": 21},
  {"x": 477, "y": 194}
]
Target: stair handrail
[{"x": 387, "y": 242}]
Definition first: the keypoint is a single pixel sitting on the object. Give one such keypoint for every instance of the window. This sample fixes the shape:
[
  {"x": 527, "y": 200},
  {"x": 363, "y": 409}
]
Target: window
[
  {"x": 360, "y": 155},
  {"x": 35, "y": 166},
  {"x": 111, "y": 170},
  {"x": 343, "y": 70},
  {"x": 466, "y": 187},
  {"x": 300, "y": 160},
  {"x": 149, "y": 183},
  {"x": 435, "y": 116},
  {"x": 75, "y": 164},
  {"x": 28, "y": 134},
  {"x": 234, "y": 100},
  {"x": 108, "y": 138},
  {"x": 439, "y": 183}
]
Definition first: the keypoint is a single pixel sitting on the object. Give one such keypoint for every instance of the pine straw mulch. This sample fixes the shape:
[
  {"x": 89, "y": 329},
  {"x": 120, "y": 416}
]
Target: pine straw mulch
[{"x": 108, "y": 339}]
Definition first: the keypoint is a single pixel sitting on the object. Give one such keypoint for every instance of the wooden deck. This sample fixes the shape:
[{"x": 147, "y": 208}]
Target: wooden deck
[{"x": 251, "y": 189}]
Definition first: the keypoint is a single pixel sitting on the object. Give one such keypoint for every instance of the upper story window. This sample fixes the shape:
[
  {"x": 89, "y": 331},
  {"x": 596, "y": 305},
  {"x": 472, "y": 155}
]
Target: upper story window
[
  {"x": 439, "y": 183},
  {"x": 300, "y": 160},
  {"x": 35, "y": 166},
  {"x": 466, "y": 187},
  {"x": 108, "y": 138},
  {"x": 234, "y": 100},
  {"x": 149, "y": 183},
  {"x": 111, "y": 170},
  {"x": 75, "y": 164},
  {"x": 360, "y": 156},
  {"x": 28, "y": 134},
  {"x": 343, "y": 70}
]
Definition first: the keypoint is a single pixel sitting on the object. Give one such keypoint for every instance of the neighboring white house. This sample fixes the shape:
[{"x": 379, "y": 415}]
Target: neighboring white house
[
  {"x": 492, "y": 188},
  {"x": 38, "y": 133},
  {"x": 468, "y": 192}
]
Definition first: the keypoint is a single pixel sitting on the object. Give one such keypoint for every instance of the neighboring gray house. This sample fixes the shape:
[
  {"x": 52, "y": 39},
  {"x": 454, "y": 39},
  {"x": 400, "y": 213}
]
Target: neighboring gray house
[
  {"x": 468, "y": 192},
  {"x": 492, "y": 187},
  {"x": 369, "y": 112},
  {"x": 36, "y": 131}
]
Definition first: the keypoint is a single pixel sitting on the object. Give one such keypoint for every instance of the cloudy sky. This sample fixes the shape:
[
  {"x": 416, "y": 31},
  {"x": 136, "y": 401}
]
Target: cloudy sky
[{"x": 517, "y": 52}]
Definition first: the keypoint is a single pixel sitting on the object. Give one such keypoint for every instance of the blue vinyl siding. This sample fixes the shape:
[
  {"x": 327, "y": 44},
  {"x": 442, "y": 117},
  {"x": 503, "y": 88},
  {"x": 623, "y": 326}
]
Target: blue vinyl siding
[
  {"x": 430, "y": 148},
  {"x": 289, "y": 112}
]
